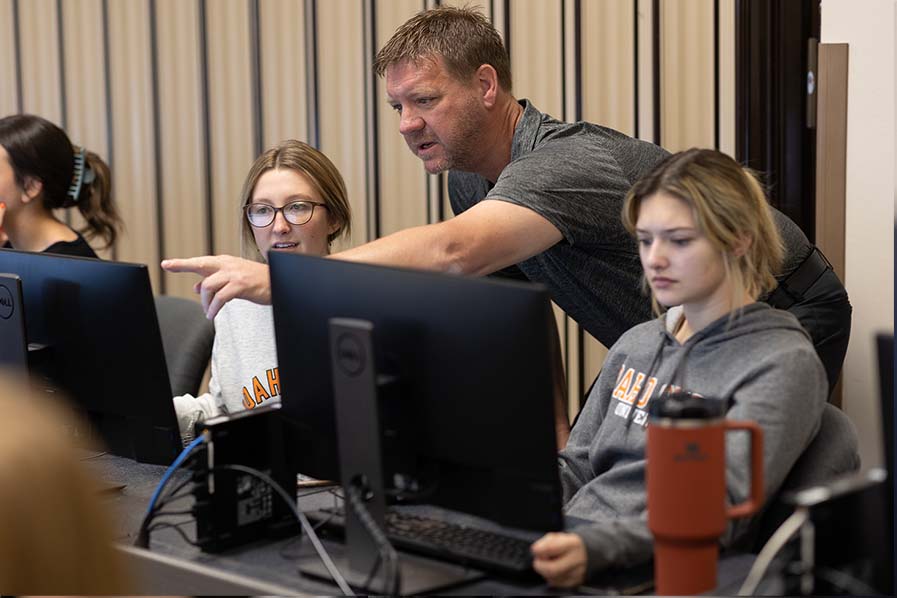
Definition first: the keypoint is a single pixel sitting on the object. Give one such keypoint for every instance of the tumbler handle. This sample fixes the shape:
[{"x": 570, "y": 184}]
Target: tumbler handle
[{"x": 752, "y": 504}]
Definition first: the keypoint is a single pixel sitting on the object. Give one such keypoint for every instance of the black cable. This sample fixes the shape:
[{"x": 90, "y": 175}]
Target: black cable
[
  {"x": 175, "y": 527},
  {"x": 171, "y": 494},
  {"x": 391, "y": 576},
  {"x": 143, "y": 533},
  {"x": 303, "y": 521}
]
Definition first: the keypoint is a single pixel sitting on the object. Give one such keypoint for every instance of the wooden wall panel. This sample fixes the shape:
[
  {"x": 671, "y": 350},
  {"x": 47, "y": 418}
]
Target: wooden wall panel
[
  {"x": 608, "y": 99},
  {"x": 403, "y": 180},
  {"x": 726, "y": 116},
  {"x": 536, "y": 59},
  {"x": 231, "y": 116},
  {"x": 39, "y": 38},
  {"x": 133, "y": 155},
  {"x": 687, "y": 74},
  {"x": 85, "y": 86},
  {"x": 283, "y": 72},
  {"x": 342, "y": 97},
  {"x": 9, "y": 91},
  {"x": 261, "y": 90},
  {"x": 183, "y": 189},
  {"x": 608, "y": 64},
  {"x": 645, "y": 70}
]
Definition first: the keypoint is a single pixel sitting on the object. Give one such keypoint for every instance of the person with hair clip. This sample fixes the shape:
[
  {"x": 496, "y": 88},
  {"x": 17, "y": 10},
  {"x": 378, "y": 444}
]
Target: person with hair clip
[
  {"x": 709, "y": 249},
  {"x": 40, "y": 172},
  {"x": 293, "y": 200}
]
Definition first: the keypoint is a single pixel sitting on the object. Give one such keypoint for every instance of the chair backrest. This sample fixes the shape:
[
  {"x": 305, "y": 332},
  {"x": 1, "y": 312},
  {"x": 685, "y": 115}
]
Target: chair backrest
[
  {"x": 187, "y": 338},
  {"x": 834, "y": 452}
]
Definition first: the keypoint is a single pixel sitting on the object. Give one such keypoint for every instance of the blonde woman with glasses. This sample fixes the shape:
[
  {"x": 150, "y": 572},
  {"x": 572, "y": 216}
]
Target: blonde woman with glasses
[{"x": 294, "y": 201}]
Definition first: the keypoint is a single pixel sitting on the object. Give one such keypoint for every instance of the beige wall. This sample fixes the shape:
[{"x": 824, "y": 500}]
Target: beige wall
[
  {"x": 871, "y": 184},
  {"x": 181, "y": 72}
]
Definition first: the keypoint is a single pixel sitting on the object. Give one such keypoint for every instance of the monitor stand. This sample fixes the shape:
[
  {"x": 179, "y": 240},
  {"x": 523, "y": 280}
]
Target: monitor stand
[{"x": 358, "y": 431}]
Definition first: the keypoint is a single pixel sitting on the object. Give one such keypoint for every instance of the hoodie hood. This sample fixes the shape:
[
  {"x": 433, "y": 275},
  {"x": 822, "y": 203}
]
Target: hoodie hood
[{"x": 752, "y": 323}]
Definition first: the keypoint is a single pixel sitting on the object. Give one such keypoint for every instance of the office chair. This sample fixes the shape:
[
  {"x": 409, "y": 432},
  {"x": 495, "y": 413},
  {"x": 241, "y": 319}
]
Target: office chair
[
  {"x": 833, "y": 453},
  {"x": 187, "y": 338}
]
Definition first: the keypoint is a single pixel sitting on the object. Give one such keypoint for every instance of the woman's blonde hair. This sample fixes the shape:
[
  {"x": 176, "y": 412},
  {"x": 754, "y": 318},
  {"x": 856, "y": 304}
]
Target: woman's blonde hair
[
  {"x": 729, "y": 207},
  {"x": 322, "y": 174},
  {"x": 57, "y": 537}
]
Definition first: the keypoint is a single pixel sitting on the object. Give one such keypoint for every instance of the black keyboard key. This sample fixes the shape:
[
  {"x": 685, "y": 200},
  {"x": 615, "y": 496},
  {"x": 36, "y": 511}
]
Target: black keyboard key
[{"x": 469, "y": 546}]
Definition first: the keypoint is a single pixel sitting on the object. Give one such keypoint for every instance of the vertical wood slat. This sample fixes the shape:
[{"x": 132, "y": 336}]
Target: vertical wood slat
[
  {"x": 133, "y": 138},
  {"x": 645, "y": 69},
  {"x": 183, "y": 186},
  {"x": 342, "y": 102},
  {"x": 831, "y": 156},
  {"x": 571, "y": 77},
  {"x": 371, "y": 117},
  {"x": 230, "y": 116},
  {"x": 85, "y": 86},
  {"x": 283, "y": 72},
  {"x": 9, "y": 91},
  {"x": 687, "y": 74},
  {"x": 536, "y": 63},
  {"x": 403, "y": 180},
  {"x": 726, "y": 116},
  {"x": 608, "y": 64},
  {"x": 39, "y": 60}
]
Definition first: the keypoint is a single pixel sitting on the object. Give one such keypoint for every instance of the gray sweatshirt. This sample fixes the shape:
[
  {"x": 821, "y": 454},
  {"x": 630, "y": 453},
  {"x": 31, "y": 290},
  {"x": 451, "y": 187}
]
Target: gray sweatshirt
[
  {"x": 244, "y": 366},
  {"x": 763, "y": 360}
]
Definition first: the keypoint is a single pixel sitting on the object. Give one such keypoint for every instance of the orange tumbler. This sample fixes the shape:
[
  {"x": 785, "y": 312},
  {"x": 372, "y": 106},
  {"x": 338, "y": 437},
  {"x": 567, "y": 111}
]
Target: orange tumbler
[{"x": 686, "y": 478}]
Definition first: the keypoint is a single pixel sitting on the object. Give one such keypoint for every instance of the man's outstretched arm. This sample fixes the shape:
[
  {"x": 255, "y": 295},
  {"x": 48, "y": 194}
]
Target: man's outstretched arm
[{"x": 488, "y": 237}]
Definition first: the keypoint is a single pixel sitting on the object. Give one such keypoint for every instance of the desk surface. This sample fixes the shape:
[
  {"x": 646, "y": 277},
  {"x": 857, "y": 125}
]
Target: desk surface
[{"x": 267, "y": 567}]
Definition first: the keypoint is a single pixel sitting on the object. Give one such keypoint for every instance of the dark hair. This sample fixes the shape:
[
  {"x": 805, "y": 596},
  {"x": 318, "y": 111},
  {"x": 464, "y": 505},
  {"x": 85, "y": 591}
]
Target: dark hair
[
  {"x": 463, "y": 37},
  {"x": 40, "y": 150}
]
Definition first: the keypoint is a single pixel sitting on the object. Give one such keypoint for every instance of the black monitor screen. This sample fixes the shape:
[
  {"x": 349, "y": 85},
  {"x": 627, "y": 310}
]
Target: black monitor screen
[
  {"x": 92, "y": 332},
  {"x": 473, "y": 380}
]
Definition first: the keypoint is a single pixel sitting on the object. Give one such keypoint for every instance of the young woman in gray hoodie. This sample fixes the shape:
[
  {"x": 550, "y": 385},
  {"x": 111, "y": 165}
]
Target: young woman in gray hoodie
[
  {"x": 293, "y": 200},
  {"x": 709, "y": 248}
]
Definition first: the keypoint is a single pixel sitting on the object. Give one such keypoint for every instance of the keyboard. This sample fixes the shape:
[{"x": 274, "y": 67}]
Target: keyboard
[{"x": 460, "y": 544}]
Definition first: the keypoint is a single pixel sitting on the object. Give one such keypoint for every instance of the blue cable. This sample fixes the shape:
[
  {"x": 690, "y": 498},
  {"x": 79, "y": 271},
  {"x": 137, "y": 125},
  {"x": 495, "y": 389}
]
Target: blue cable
[{"x": 171, "y": 468}]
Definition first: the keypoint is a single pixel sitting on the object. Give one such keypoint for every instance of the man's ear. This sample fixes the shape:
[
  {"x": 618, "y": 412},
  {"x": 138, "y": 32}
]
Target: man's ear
[
  {"x": 487, "y": 82},
  {"x": 743, "y": 244},
  {"x": 32, "y": 188}
]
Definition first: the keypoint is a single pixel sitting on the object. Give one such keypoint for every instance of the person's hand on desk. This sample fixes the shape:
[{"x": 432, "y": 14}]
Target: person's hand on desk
[
  {"x": 225, "y": 277},
  {"x": 561, "y": 559}
]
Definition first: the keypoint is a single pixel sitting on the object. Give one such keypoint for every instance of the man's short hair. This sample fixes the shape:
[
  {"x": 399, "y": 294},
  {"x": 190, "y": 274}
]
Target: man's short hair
[{"x": 463, "y": 37}]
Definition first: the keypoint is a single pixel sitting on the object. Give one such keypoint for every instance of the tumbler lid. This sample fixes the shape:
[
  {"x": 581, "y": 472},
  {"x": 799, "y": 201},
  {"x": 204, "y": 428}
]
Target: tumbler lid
[{"x": 687, "y": 406}]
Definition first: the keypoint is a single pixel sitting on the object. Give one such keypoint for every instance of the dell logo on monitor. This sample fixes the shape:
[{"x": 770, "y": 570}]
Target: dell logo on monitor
[
  {"x": 6, "y": 303},
  {"x": 350, "y": 354}
]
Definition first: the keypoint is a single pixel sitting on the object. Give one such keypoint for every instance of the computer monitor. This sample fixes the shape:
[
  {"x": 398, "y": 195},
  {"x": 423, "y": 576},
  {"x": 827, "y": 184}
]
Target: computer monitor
[
  {"x": 92, "y": 332},
  {"x": 466, "y": 382},
  {"x": 13, "y": 346}
]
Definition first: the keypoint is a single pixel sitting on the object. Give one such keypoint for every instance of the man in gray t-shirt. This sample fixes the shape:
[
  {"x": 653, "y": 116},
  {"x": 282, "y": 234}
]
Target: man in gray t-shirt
[
  {"x": 528, "y": 190},
  {"x": 575, "y": 176}
]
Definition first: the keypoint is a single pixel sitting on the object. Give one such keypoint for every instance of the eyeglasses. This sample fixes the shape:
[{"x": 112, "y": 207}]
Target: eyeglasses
[{"x": 261, "y": 215}]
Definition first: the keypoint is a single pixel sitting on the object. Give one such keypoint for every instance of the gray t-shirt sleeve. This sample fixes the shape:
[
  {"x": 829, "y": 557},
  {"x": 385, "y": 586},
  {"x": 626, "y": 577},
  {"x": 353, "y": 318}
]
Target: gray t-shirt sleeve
[{"x": 578, "y": 187}]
